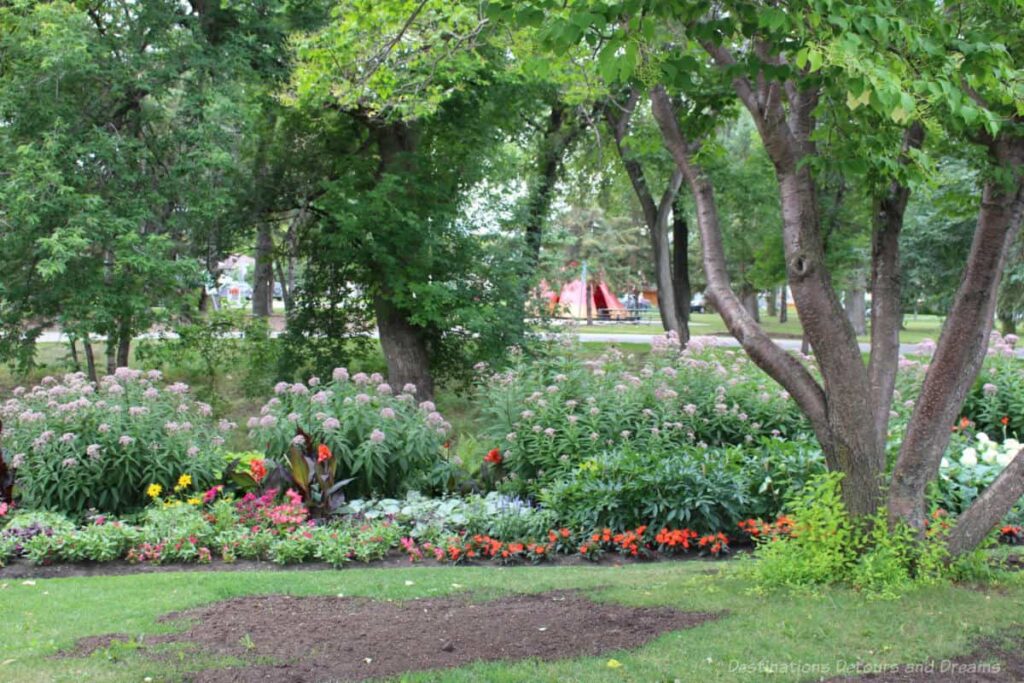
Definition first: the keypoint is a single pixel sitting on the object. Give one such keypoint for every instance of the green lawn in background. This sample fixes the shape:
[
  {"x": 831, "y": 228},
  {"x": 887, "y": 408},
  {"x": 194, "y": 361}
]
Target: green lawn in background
[
  {"x": 915, "y": 329},
  {"x": 778, "y": 630}
]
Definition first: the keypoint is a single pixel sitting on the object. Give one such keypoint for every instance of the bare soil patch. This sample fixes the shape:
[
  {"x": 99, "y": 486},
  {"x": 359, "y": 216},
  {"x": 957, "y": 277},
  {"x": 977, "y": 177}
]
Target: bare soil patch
[{"x": 321, "y": 638}]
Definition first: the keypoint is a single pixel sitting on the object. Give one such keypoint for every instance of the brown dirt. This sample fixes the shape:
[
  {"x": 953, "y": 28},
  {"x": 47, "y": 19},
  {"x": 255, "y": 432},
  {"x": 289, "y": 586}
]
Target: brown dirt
[
  {"x": 989, "y": 662},
  {"x": 324, "y": 638}
]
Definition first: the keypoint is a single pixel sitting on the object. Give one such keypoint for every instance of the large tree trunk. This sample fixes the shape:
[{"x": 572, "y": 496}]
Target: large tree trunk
[
  {"x": 856, "y": 309},
  {"x": 404, "y": 344},
  {"x": 681, "y": 268},
  {"x": 405, "y": 349},
  {"x": 1007, "y": 323},
  {"x": 841, "y": 411},
  {"x": 749, "y": 298},
  {"x": 124, "y": 347},
  {"x": 771, "y": 310},
  {"x": 886, "y": 287},
  {"x": 560, "y": 133},
  {"x": 656, "y": 215},
  {"x": 963, "y": 343},
  {"x": 263, "y": 287},
  {"x": 90, "y": 360}
]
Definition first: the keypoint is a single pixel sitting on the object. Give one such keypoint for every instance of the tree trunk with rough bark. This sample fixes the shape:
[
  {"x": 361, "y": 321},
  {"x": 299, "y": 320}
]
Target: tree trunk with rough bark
[
  {"x": 404, "y": 344},
  {"x": 851, "y": 418},
  {"x": 839, "y": 411},
  {"x": 263, "y": 286},
  {"x": 749, "y": 298},
  {"x": 559, "y": 134},
  {"x": 772, "y": 301},
  {"x": 784, "y": 305},
  {"x": 962, "y": 345},
  {"x": 90, "y": 360},
  {"x": 405, "y": 349},
  {"x": 656, "y": 215},
  {"x": 856, "y": 310},
  {"x": 124, "y": 344},
  {"x": 681, "y": 269}
]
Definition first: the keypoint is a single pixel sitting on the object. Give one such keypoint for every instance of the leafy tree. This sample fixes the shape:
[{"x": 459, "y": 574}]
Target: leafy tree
[
  {"x": 889, "y": 74},
  {"x": 118, "y": 153}
]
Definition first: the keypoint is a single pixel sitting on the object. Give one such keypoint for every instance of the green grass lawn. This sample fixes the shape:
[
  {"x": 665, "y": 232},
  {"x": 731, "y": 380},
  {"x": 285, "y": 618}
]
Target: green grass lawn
[
  {"x": 915, "y": 328},
  {"x": 780, "y": 630}
]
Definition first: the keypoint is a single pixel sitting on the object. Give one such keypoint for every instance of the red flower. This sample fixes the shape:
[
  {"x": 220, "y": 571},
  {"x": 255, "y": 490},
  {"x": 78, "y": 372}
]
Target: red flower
[
  {"x": 493, "y": 456},
  {"x": 257, "y": 470},
  {"x": 323, "y": 453},
  {"x": 1005, "y": 421}
]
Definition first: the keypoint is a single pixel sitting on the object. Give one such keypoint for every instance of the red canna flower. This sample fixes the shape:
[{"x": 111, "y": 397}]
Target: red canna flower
[
  {"x": 1005, "y": 421},
  {"x": 493, "y": 456},
  {"x": 323, "y": 453},
  {"x": 257, "y": 470}
]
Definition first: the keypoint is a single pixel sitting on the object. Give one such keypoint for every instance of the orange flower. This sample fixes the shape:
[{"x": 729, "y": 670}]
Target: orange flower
[
  {"x": 964, "y": 423},
  {"x": 493, "y": 456},
  {"x": 323, "y": 453},
  {"x": 565, "y": 533},
  {"x": 552, "y": 536},
  {"x": 257, "y": 470},
  {"x": 1005, "y": 421}
]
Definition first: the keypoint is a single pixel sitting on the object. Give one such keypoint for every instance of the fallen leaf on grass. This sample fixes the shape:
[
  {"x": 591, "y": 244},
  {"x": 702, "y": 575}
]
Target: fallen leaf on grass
[{"x": 614, "y": 664}]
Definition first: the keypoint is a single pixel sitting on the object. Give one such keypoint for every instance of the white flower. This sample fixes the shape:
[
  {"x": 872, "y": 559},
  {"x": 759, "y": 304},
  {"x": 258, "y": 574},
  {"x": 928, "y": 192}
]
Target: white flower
[
  {"x": 944, "y": 464},
  {"x": 969, "y": 457},
  {"x": 982, "y": 438},
  {"x": 1004, "y": 457}
]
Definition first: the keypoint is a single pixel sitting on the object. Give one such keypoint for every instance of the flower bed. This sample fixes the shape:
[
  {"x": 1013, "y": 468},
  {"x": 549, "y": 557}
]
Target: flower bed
[{"x": 76, "y": 446}]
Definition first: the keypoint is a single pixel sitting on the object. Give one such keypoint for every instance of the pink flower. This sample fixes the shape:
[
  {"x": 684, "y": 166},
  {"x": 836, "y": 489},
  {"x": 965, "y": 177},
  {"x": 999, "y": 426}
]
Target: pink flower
[
  {"x": 387, "y": 413},
  {"x": 376, "y": 436},
  {"x": 384, "y": 389},
  {"x": 340, "y": 374}
]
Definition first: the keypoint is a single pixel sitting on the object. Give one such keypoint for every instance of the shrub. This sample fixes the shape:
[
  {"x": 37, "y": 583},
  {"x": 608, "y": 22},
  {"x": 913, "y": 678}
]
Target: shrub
[
  {"x": 824, "y": 546},
  {"x": 79, "y": 446},
  {"x": 386, "y": 441},
  {"x": 703, "y": 488},
  {"x": 551, "y": 414}
]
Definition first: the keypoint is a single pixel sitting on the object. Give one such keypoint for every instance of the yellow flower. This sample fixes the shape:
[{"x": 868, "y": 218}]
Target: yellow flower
[
  {"x": 184, "y": 481},
  {"x": 614, "y": 664},
  {"x": 194, "y": 501},
  {"x": 154, "y": 490}
]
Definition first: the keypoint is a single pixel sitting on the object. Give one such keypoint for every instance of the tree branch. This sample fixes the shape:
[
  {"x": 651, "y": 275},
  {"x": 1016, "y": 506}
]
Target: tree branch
[
  {"x": 781, "y": 366},
  {"x": 886, "y": 283},
  {"x": 987, "y": 509},
  {"x": 964, "y": 340}
]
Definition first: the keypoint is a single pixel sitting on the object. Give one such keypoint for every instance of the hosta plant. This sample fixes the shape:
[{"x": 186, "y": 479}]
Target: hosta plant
[{"x": 77, "y": 446}]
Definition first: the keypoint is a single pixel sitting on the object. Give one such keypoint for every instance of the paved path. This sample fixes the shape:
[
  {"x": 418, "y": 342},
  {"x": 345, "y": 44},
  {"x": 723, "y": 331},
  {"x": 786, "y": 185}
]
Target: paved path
[{"x": 585, "y": 337}]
